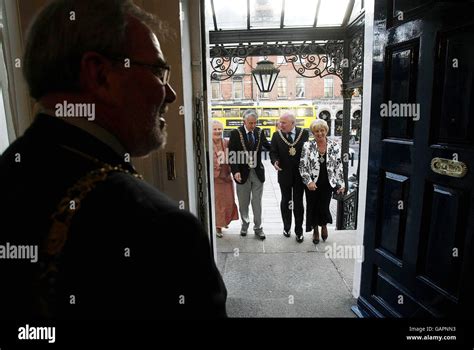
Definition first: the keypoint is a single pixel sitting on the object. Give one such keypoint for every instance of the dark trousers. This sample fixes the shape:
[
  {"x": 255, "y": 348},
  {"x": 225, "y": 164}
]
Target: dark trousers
[{"x": 293, "y": 203}]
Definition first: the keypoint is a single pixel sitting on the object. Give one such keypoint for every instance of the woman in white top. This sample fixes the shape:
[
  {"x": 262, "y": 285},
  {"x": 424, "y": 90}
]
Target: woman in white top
[{"x": 321, "y": 171}]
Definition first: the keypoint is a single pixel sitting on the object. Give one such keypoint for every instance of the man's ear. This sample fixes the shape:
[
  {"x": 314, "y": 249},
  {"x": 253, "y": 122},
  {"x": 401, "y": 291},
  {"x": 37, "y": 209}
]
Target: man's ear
[{"x": 95, "y": 76}]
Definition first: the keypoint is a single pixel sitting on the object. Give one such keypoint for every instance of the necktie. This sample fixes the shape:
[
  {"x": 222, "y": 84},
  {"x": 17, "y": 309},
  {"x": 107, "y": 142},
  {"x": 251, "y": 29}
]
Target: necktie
[
  {"x": 250, "y": 138},
  {"x": 290, "y": 137}
]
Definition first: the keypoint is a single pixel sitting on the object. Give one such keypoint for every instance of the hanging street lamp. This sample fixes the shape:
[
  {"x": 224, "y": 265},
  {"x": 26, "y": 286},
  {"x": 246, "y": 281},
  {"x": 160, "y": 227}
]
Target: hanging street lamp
[{"x": 265, "y": 75}]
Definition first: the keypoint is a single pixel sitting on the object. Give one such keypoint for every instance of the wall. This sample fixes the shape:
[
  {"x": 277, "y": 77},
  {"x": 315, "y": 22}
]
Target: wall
[{"x": 154, "y": 166}]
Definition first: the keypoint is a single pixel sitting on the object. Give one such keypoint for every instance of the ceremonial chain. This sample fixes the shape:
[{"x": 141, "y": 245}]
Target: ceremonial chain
[{"x": 292, "y": 150}]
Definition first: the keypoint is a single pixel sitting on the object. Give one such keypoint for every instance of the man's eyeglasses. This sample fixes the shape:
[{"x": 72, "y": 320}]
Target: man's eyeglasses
[{"x": 161, "y": 70}]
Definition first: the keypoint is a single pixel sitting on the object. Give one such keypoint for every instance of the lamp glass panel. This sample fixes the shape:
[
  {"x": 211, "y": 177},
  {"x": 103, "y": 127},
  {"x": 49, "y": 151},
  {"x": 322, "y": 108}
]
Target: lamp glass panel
[{"x": 266, "y": 80}]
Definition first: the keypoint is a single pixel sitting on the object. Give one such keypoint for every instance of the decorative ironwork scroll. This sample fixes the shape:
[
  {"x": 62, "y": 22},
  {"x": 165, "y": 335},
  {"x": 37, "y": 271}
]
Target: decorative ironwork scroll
[
  {"x": 225, "y": 61},
  {"x": 308, "y": 60},
  {"x": 356, "y": 48},
  {"x": 316, "y": 60}
]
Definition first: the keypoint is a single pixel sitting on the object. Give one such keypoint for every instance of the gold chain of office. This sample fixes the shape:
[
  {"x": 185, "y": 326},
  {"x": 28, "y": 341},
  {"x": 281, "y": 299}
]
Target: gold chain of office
[
  {"x": 249, "y": 155},
  {"x": 243, "y": 142},
  {"x": 70, "y": 204},
  {"x": 292, "y": 150}
]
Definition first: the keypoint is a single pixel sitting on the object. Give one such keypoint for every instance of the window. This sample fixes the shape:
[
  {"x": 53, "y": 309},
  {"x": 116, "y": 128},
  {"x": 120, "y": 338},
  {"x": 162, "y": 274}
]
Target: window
[
  {"x": 231, "y": 113},
  {"x": 281, "y": 85},
  {"x": 3, "y": 125},
  {"x": 216, "y": 90},
  {"x": 300, "y": 93},
  {"x": 264, "y": 13},
  {"x": 304, "y": 112},
  {"x": 4, "y": 139},
  {"x": 238, "y": 88},
  {"x": 217, "y": 113},
  {"x": 270, "y": 112},
  {"x": 268, "y": 13},
  {"x": 325, "y": 115},
  {"x": 328, "y": 87},
  {"x": 238, "y": 66}
]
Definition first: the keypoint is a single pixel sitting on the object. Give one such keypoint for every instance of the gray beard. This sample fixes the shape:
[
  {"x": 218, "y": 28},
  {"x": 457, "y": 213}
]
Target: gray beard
[{"x": 160, "y": 135}]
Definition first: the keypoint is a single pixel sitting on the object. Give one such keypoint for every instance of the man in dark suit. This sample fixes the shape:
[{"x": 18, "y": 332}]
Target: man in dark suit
[
  {"x": 109, "y": 245},
  {"x": 245, "y": 158},
  {"x": 285, "y": 154}
]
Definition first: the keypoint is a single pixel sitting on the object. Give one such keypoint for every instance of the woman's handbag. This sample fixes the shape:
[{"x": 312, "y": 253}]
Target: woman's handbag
[{"x": 337, "y": 196}]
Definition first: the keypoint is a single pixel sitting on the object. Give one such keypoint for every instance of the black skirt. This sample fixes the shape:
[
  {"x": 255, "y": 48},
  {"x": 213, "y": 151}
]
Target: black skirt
[{"x": 317, "y": 202}]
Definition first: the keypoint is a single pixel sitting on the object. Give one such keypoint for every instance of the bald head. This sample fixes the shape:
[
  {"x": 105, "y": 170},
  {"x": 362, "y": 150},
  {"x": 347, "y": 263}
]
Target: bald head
[{"x": 287, "y": 122}]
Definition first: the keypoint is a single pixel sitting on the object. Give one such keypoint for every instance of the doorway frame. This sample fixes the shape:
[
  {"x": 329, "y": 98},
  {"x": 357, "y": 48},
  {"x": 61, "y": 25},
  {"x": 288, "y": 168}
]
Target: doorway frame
[{"x": 365, "y": 137}]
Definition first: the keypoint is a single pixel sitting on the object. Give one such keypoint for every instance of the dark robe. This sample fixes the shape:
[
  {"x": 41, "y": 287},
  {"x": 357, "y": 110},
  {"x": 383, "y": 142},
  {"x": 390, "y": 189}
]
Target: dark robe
[{"x": 130, "y": 251}]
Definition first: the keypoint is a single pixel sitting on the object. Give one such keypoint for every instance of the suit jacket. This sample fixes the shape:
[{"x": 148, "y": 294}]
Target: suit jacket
[
  {"x": 309, "y": 163},
  {"x": 130, "y": 253},
  {"x": 241, "y": 163},
  {"x": 288, "y": 163}
]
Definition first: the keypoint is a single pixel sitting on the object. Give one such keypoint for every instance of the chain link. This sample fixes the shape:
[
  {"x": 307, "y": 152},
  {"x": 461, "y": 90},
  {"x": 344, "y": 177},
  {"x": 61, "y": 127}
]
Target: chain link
[{"x": 200, "y": 151}]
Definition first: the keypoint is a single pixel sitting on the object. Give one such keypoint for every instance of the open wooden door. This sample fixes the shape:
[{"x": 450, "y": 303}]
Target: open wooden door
[{"x": 420, "y": 201}]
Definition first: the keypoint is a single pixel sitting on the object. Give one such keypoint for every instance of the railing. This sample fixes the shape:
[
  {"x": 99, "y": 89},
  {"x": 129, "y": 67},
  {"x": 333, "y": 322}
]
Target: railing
[{"x": 347, "y": 212}]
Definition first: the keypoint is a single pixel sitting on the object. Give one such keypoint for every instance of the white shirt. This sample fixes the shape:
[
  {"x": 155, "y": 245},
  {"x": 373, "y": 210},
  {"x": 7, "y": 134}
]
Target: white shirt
[
  {"x": 293, "y": 133},
  {"x": 247, "y": 130}
]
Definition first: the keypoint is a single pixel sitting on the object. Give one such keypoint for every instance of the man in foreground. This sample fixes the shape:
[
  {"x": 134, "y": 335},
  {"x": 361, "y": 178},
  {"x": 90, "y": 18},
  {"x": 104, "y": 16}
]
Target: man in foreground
[{"x": 110, "y": 246}]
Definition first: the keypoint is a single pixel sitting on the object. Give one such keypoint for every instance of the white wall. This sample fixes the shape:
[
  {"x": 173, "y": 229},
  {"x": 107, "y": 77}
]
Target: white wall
[
  {"x": 364, "y": 156},
  {"x": 210, "y": 145},
  {"x": 186, "y": 33}
]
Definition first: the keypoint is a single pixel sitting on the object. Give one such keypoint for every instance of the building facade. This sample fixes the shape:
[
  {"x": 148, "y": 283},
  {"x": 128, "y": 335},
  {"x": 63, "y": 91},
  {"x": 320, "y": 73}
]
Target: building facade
[{"x": 290, "y": 89}]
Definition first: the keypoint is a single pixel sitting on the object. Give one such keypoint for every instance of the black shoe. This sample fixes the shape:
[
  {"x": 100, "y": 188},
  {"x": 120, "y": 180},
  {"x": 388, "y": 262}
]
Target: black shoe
[
  {"x": 287, "y": 233},
  {"x": 316, "y": 235},
  {"x": 299, "y": 238},
  {"x": 324, "y": 233},
  {"x": 260, "y": 234},
  {"x": 243, "y": 233}
]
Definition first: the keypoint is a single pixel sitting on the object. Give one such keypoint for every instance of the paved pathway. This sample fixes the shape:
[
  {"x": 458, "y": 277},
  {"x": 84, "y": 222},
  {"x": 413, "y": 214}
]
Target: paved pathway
[{"x": 279, "y": 277}]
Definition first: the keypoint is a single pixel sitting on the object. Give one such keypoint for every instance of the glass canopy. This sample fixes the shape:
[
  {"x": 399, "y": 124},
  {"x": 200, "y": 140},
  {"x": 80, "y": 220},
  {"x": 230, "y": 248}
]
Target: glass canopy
[{"x": 273, "y": 14}]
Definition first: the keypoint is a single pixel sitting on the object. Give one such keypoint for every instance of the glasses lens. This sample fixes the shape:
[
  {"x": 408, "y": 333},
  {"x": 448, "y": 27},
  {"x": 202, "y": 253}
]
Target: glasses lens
[{"x": 165, "y": 78}]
